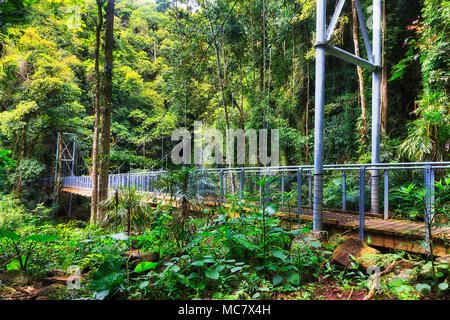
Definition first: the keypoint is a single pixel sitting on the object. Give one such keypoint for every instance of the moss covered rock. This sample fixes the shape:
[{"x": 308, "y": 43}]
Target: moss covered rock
[{"x": 353, "y": 247}]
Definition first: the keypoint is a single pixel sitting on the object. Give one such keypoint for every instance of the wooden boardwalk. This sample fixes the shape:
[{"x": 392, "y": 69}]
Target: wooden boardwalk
[{"x": 388, "y": 233}]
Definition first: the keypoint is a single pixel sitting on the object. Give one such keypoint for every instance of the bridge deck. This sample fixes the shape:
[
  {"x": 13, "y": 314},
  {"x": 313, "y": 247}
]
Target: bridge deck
[{"x": 389, "y": 233}]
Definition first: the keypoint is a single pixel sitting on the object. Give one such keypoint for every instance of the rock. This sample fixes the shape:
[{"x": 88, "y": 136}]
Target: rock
[
  {"x": 16, "y": 276},
  {"x": 407, "y": 264},
  {"x": 42, "y": 298},
  {"x": 353, "y": 247},
  {"x": 52, "y": 292}
]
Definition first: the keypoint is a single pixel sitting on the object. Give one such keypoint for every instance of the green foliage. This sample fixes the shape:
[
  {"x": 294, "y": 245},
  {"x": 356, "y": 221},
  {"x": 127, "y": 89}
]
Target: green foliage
[
  {"x": 109, "y": 278},
  {"x": 11, "y": 213},
  {"x": 126, "y": 208},
  {"x": 434, "y": 278},
  {"x": 23, "y": 247}
]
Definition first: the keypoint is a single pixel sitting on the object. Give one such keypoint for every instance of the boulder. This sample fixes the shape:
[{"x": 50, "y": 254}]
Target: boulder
[
  {"x": 52, "y": 292},
  {"x": 353, "y": 247},
  {"x": 15, "y": 276}
]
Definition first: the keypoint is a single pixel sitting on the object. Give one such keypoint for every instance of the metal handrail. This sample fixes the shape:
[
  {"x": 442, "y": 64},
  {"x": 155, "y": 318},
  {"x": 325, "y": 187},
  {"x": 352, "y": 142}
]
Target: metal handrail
[{"x": 144, "y": 181}]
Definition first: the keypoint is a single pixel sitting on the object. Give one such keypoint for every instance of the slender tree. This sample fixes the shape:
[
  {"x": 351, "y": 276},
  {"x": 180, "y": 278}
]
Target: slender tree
[
  {"x": 106, "y": 110},
  {"x": 94, "y": 173},
  {"x": 364, "y": 129}
]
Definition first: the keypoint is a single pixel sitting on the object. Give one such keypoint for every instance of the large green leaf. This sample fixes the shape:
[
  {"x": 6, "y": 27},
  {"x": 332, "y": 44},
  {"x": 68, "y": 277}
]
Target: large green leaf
[
  {"x": 145, "y": 266},
  {"x": 279, "y": 254},
  {"x": 277, "y": 279},
  {"x": 443, "y": 286},
  {"x": 293, "y": 277},
  {"x": 212, "y": 274},
  {"x": 423, "y": 288},
  {"x": 242, "y": 240}
]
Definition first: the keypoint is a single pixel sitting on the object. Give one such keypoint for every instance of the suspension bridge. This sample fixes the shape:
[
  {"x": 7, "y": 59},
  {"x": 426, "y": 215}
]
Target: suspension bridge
[
  {"x": 347, "y": 182},
  {"x": 379, "y": 229}
]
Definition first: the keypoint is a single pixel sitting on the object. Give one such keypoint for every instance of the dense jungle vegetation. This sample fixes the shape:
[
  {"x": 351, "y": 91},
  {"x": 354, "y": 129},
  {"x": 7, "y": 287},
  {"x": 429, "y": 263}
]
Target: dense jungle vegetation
[{"x": 123, "y": 75}]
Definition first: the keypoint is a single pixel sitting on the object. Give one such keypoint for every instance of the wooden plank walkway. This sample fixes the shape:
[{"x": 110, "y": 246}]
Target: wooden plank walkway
[{"x": 389, "y": 233}]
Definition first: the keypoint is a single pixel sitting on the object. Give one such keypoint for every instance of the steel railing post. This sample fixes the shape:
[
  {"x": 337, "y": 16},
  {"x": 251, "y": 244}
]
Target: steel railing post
[
  {"x": 310, "y": 189},
  {"x": 432, "y": 192},
  {"x": 242, "y": 184},
  {"x": 386, "y": 194},
  {"x": 343, "y": 191},
  {"x": 221, "y": 187},
  {"x": 427, "y": 213},
  {"x": 299, "y": 193},
  {"x": 362, "y": 171}
]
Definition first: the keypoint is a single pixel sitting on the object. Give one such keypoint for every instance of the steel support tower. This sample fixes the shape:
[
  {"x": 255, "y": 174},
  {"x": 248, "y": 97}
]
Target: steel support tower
[{"x": 373, "y": 64}]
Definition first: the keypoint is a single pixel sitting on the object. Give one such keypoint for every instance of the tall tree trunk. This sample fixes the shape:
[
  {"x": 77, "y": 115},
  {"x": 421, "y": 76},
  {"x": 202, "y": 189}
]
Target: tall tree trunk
[
  {"x": 94, "y": 173},
  {"x": 364, "y": 129},
  {"x": 106, "y": 110},
  {"x": 222, "y": 89},
  {"x": 220, "y": 77},
  {"x": 253, "y": 50},
  {"x": 293, "y": 63},
  {"x": 384, "y": 74}
]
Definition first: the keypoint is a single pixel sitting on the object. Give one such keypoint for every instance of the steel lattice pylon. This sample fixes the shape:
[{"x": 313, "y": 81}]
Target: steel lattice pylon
[{"x": 65, "y": 160}]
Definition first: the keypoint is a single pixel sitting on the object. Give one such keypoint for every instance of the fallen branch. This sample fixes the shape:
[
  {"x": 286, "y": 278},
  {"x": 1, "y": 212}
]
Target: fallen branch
[{"x": 376, "y": 276}]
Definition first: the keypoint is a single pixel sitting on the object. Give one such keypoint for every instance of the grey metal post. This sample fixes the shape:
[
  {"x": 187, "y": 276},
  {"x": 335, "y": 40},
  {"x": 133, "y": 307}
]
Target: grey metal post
[
  {"x": 221, "y": 187},
  {"x": 319, "y": 114},
  {"x": 427, "y": 213},
  {"x": 242, "y": 184},
  {"x": 362, "y": 171},
  {"x": 282, "y": 187},
  {"x": 310, "y": 189},
  {"x": 57, "y": 159},
  {"x": 376, "y": 85},
  {"x": 299, "y": 193},
  {"x": 343, "y": 192},
  {"x": 432, "y": 192},
  {"x": 73, "y": 156},
  {"x": 72, "y": 169},
  {"x": 386, "y": 194},
  {"x": 225, "y": 184}
]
